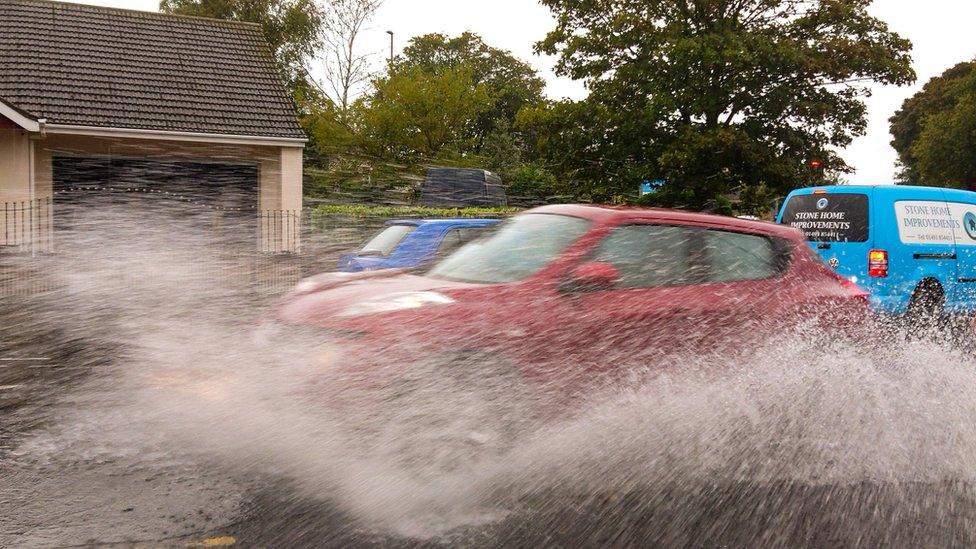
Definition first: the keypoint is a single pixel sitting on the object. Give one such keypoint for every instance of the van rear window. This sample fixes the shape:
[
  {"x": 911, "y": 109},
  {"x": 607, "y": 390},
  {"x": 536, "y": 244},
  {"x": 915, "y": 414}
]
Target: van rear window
[{"x": 835, "y": 217}]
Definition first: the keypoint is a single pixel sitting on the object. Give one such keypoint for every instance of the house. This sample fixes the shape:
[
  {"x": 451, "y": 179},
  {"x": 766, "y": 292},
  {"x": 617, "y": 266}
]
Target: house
[
  {"x": 98, "y": 102},
  {"x": 461, "y": 187}
]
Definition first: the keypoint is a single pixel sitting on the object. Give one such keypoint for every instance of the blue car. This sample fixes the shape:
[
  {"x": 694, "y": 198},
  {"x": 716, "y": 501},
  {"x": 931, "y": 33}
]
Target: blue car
[
  {"x": 410, "y": 243},
  {"x": 913, "y": 248}
]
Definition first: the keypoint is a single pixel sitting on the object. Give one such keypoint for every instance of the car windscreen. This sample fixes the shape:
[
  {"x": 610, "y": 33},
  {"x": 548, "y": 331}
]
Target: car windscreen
[
  {"x": 834, "y": 217},
  {"x": 518, "y": 249},
  {"x": 386, "y": 241}
]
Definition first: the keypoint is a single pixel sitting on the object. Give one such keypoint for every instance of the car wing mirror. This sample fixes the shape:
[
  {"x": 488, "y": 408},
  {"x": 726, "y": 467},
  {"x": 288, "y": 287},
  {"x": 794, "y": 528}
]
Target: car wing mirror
[{"x": 593, "y": 276}]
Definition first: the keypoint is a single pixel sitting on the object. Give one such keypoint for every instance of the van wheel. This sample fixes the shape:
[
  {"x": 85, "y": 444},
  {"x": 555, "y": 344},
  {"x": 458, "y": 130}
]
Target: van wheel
[{"x": 926, "y": 310}]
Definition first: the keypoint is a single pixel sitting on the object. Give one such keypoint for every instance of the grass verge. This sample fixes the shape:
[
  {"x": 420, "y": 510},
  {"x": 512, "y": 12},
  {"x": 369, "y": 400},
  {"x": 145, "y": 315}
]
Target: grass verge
[{"x": 364, "y": 210}]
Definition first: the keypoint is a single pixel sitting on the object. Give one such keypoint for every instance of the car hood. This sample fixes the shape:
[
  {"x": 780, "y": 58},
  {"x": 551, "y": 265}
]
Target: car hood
[{"x": 341, "y": 290}]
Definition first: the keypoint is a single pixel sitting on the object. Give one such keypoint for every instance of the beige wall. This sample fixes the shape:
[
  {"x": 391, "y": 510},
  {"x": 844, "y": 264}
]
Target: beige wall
[
  {"x": 280, "y": 169},
  {"x": 291, "y": 177},
  {"x": 17, "y": 210},
  {"x": 281, "y": 201},
  {"x": 15, "y": 175}
]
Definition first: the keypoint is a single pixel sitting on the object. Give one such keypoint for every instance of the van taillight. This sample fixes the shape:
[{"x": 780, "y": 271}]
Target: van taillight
[{"x": 878, "y": 263}]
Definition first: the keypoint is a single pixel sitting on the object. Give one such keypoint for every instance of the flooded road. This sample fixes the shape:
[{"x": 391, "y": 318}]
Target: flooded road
[{"x": 138, "y": 408}]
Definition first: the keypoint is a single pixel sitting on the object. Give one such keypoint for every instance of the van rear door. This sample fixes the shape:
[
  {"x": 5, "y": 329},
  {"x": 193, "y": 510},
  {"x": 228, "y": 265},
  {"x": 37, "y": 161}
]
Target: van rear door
[{"x": 837, "y": 226}]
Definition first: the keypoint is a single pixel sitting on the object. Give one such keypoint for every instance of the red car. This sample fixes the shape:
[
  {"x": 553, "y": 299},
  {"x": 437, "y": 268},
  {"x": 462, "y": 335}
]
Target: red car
[{"x": 562, "y": 297}]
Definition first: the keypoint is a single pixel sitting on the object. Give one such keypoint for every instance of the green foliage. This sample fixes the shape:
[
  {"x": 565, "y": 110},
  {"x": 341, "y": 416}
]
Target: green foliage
[
  {"x": 446, "y": 98},
  {"x": 511, "y": 84},
  {"x": 326, "y": 125},
  {"x": 531, "y": 180},
  {"x": 362, "y": 210},
  {"x": 413, "y": 112},
  {"x": 502, "y": 150},
  {"x": 934, "y": 130},
  {"x": 450, "y": 101},
  {"x": 571, "y": 140},
  {"x": 758, "y": 200},
  {"x": 292, "y": 28},
  {"x": 714, "y": 96},
  {"x": 946, "y": 149}
]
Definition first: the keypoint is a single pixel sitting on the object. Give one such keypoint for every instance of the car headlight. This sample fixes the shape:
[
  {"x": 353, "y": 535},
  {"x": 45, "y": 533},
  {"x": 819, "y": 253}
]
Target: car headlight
[
  {"x": 396, "y": 302},
  {"x": 306, "y": 285}
]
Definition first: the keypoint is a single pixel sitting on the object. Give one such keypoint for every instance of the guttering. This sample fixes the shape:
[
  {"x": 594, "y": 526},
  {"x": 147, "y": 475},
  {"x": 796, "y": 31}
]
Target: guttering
[
  {"x": 129, "y": 133},
  {"x": 19, "y": 118}
]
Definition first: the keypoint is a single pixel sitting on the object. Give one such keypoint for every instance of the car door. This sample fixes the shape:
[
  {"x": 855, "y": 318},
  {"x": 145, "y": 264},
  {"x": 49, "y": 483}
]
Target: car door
[
  {"x": 683, "y": 290},
  {"x": 744, "y": 294},
  {"x": 644, "y": 316}
]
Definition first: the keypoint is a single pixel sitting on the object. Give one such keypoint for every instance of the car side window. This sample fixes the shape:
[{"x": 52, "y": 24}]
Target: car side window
[
  {"x": 453, "y": 239},
  {"x": 734, "y": 257},
  {"x": 649, "y": 256},
  {"x": 470, "y": 233}
]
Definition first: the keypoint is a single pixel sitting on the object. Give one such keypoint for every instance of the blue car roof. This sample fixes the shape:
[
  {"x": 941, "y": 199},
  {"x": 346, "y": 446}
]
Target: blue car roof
[
  {"x": 454, "y": 222},
  {"x": 838, "y": 188},
  {"x": 949, "y": 192}
]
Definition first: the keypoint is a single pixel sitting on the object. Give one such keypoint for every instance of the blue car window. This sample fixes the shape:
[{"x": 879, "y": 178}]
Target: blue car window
[
  {"x": 387, "y": 240},
  {"x": 455, "y": 238},
  {"x": 452, "y": 241}
]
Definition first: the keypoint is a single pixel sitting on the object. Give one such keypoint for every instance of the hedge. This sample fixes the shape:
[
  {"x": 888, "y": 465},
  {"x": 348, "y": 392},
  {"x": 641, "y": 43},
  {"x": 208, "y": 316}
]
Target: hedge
[{"x": 365, "y": 210}]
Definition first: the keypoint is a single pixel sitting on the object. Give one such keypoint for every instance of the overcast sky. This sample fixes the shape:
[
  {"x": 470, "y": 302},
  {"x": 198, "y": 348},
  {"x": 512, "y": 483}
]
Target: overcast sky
[{"x": 941, "y": 31}]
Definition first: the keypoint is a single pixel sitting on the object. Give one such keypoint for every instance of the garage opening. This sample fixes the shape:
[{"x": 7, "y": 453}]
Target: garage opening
[{"x": 193, "y": 201}]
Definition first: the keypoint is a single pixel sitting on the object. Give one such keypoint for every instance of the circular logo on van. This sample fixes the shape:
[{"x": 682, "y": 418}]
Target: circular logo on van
[
  {"x": 822, "y": 203},
  {"x": 969, "y": 223},
  {"x": 833, "y": 262}
]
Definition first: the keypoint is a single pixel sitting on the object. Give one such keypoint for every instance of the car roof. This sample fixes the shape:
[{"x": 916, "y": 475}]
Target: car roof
[
  {"x": 456, "y": 221},
  {"x": 841, "y": 188},
  {"x": 618, "y": 214},
  {"x": 957, "y": 194}
]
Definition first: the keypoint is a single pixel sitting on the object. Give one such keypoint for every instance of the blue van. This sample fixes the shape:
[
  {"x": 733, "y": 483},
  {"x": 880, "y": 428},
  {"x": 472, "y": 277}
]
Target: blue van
[
  {"x": 411, "y": 243},
  {"x": 913, "y": 248}
]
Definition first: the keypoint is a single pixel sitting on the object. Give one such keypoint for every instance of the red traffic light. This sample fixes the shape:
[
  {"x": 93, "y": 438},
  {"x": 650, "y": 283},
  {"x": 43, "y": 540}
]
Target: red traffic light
[{"x": 816, "y": 163}]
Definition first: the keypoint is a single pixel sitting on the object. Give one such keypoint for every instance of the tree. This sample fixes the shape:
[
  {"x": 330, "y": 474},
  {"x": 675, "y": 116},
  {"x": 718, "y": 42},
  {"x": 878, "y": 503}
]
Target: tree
[
  {"x": 510, "y": 83},
  {"x": 718, "y": 96},
  {"x": 571, "y": 139},
  {"x": 292, "y": 28},
  {"x": 450, "y": 96},
  {"x": 346, "y": 68},
  {"x": 413, "y": 112},
  {"x": 945, "y": 152},
  {"x": 937, "y": 112}
]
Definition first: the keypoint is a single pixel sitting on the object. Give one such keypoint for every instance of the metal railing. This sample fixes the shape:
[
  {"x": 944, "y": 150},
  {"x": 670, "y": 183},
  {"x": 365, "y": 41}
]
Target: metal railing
[
  {"x": 281, "y": 231},
  {"x": 27, "y": 226},
  {"x": 31, "y": 230}
]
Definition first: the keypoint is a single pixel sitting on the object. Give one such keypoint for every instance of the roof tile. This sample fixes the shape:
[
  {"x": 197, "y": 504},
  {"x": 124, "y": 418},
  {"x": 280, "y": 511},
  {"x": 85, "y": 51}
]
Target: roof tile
[{"x": 87, "y": 65}]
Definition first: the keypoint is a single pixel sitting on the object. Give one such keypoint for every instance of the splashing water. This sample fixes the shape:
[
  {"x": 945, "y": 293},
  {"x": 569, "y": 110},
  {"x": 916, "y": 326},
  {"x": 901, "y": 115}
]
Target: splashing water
[{"x": 800, "y": 441}]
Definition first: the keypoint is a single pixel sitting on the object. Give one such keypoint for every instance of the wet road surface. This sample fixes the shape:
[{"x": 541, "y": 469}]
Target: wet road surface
[{"x": 71, "y": 489}]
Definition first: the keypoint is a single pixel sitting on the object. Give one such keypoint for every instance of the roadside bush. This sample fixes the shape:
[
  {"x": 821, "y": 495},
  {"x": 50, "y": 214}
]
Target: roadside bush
[
  {"x": 364, "y": 211},
  {"x": 531, "y": 180}
]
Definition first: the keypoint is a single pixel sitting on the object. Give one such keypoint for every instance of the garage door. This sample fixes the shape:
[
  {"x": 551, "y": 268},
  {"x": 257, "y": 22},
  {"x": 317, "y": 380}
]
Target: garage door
[{"x": 187, "y": 199}]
